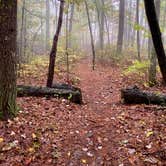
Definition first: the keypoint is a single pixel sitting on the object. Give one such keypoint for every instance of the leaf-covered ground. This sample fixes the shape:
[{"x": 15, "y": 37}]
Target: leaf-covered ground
[{"x": 101, "y": 132}]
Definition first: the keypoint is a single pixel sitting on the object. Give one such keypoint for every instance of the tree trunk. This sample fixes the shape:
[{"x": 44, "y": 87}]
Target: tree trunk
[
  {"x": 133, "y": 37},
  {"x": 22, "y": 34},
  {"x": 130, "y": 26},
  {"x": 126, "y": 25},
  {"x": 138, "y": 35},
  {"x": 71, "y": 24},
  {"x": 121, "y": 26},
  {"x": 153, "y": 60},
  {"x": 97, "y": 5},
  {"x": 91, "y": 35},
  {"x": 142, "y": 24},
  {"x": 164, "y": 22},
  {"x": 102, "y": 26},
  {"x": 67, "y": 42},
  {"x": 107, "y": 28},
  {"x": 47, "y": 25},
  {"x": 8, "y": 33},
  {"x": 25, "y": 36},
  {"x": 54, "y": 46},
  {"x": 156, "y": 35}
]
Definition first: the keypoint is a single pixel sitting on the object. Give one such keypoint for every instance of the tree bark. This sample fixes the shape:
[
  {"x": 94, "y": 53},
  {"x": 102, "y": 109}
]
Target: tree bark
[
  {"x": 102, "y": 25},
  {"x": 164, "y": 21},
  {"x": 91, "y": 35},
  {"x": 108, "y": 30},
  {"x": 67, "y": 42},
  {"x": 153, "y": 60},
  {"x": 121, "y": 26},
  {"x": 156, "y": 35},
  {"x": 98, "y": 20},
  {"x": 138, "y": 34},
  {"x": 71, "y": 24},
  {"x": 130, "y": 26},
  {"x": 22, "y": 34},
  {"x": 47, "y": 25},
  {"x": 54, "y": 46},
  {"x": 8, "y": 33}
]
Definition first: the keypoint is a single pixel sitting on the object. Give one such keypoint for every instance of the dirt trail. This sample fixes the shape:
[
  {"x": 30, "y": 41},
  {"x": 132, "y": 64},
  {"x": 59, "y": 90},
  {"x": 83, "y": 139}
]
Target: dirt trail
[
  {"x": 103, "y": 131},
  {"x": 101, "y": 86},
  {"x": 101, "y": 93}
]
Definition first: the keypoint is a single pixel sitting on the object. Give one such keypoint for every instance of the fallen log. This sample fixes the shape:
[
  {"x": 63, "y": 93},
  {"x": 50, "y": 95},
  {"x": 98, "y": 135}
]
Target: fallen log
[
  {"x": 57, "y": 91},
  {"x": 65, "y": 86},
  {"x": 134, "y": 95}
]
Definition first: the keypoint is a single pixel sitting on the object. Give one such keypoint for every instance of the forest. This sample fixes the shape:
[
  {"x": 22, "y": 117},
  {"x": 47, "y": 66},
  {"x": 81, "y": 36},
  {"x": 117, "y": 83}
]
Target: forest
[{"x": 82, "y": 82}]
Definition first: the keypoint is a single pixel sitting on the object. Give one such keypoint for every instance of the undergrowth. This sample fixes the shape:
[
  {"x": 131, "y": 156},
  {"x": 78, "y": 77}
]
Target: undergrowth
[
  {"x": 40, "y": 63},
  {"x": 109, "y": 55}
]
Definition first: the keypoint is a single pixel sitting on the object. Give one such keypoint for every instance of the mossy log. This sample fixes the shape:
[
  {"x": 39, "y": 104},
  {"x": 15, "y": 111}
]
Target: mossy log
[
  {"x": 134, "y": 95},
  {"x": 58, "y": 91}
]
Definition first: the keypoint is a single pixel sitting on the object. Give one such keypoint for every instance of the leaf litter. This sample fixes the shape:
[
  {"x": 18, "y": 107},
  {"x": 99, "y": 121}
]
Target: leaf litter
[{"x": 102, "y": 131}]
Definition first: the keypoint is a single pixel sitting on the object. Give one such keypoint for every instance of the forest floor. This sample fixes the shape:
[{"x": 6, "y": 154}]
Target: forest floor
[{"x": 100, "y": 132}]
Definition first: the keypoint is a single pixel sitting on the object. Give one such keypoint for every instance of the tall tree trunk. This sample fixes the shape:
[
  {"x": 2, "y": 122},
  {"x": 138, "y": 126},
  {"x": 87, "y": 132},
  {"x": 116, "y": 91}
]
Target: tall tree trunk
[
  {"x": 133, "y": 30},
  {"x": 67, "y": 42},
  {"x": 126, "y": 25},
  {"x": 130, "y": 26},
  {"x": 107, "y": 28},
  {"x": 97, "y": 5},
  {"x": 164, "y": 21},
  {"x": 121, "y": 26},
  {"x": 47, "y": 25},
  {"x": 153, "y": 60},
  {"x": 56, "y": 13},
  {"x": 138, "y": 35},
  {"x": 91, "y": 35},
  {"x": 54, "y": 46},
  {"x": 8, "y": 33},
  {"x": 25, "y": 36},
  {"x": 22, "y": 34},
  {"x": 156, "y": 35},
  {"x": 102, "y": 25},
  {"x": 71, "y": 24},
  {"x": 142, "y": 24}
]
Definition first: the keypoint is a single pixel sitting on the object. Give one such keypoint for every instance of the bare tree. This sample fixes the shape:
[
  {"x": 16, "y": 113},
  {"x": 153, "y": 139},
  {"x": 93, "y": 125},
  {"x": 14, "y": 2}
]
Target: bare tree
[{"x": 54, "y": 46}]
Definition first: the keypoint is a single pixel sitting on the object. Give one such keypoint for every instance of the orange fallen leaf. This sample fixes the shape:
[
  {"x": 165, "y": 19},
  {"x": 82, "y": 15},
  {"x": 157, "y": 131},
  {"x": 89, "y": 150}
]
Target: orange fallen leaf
[
  {"x": 83, "y": 161},
  {"x": 1, "y": 139}
]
